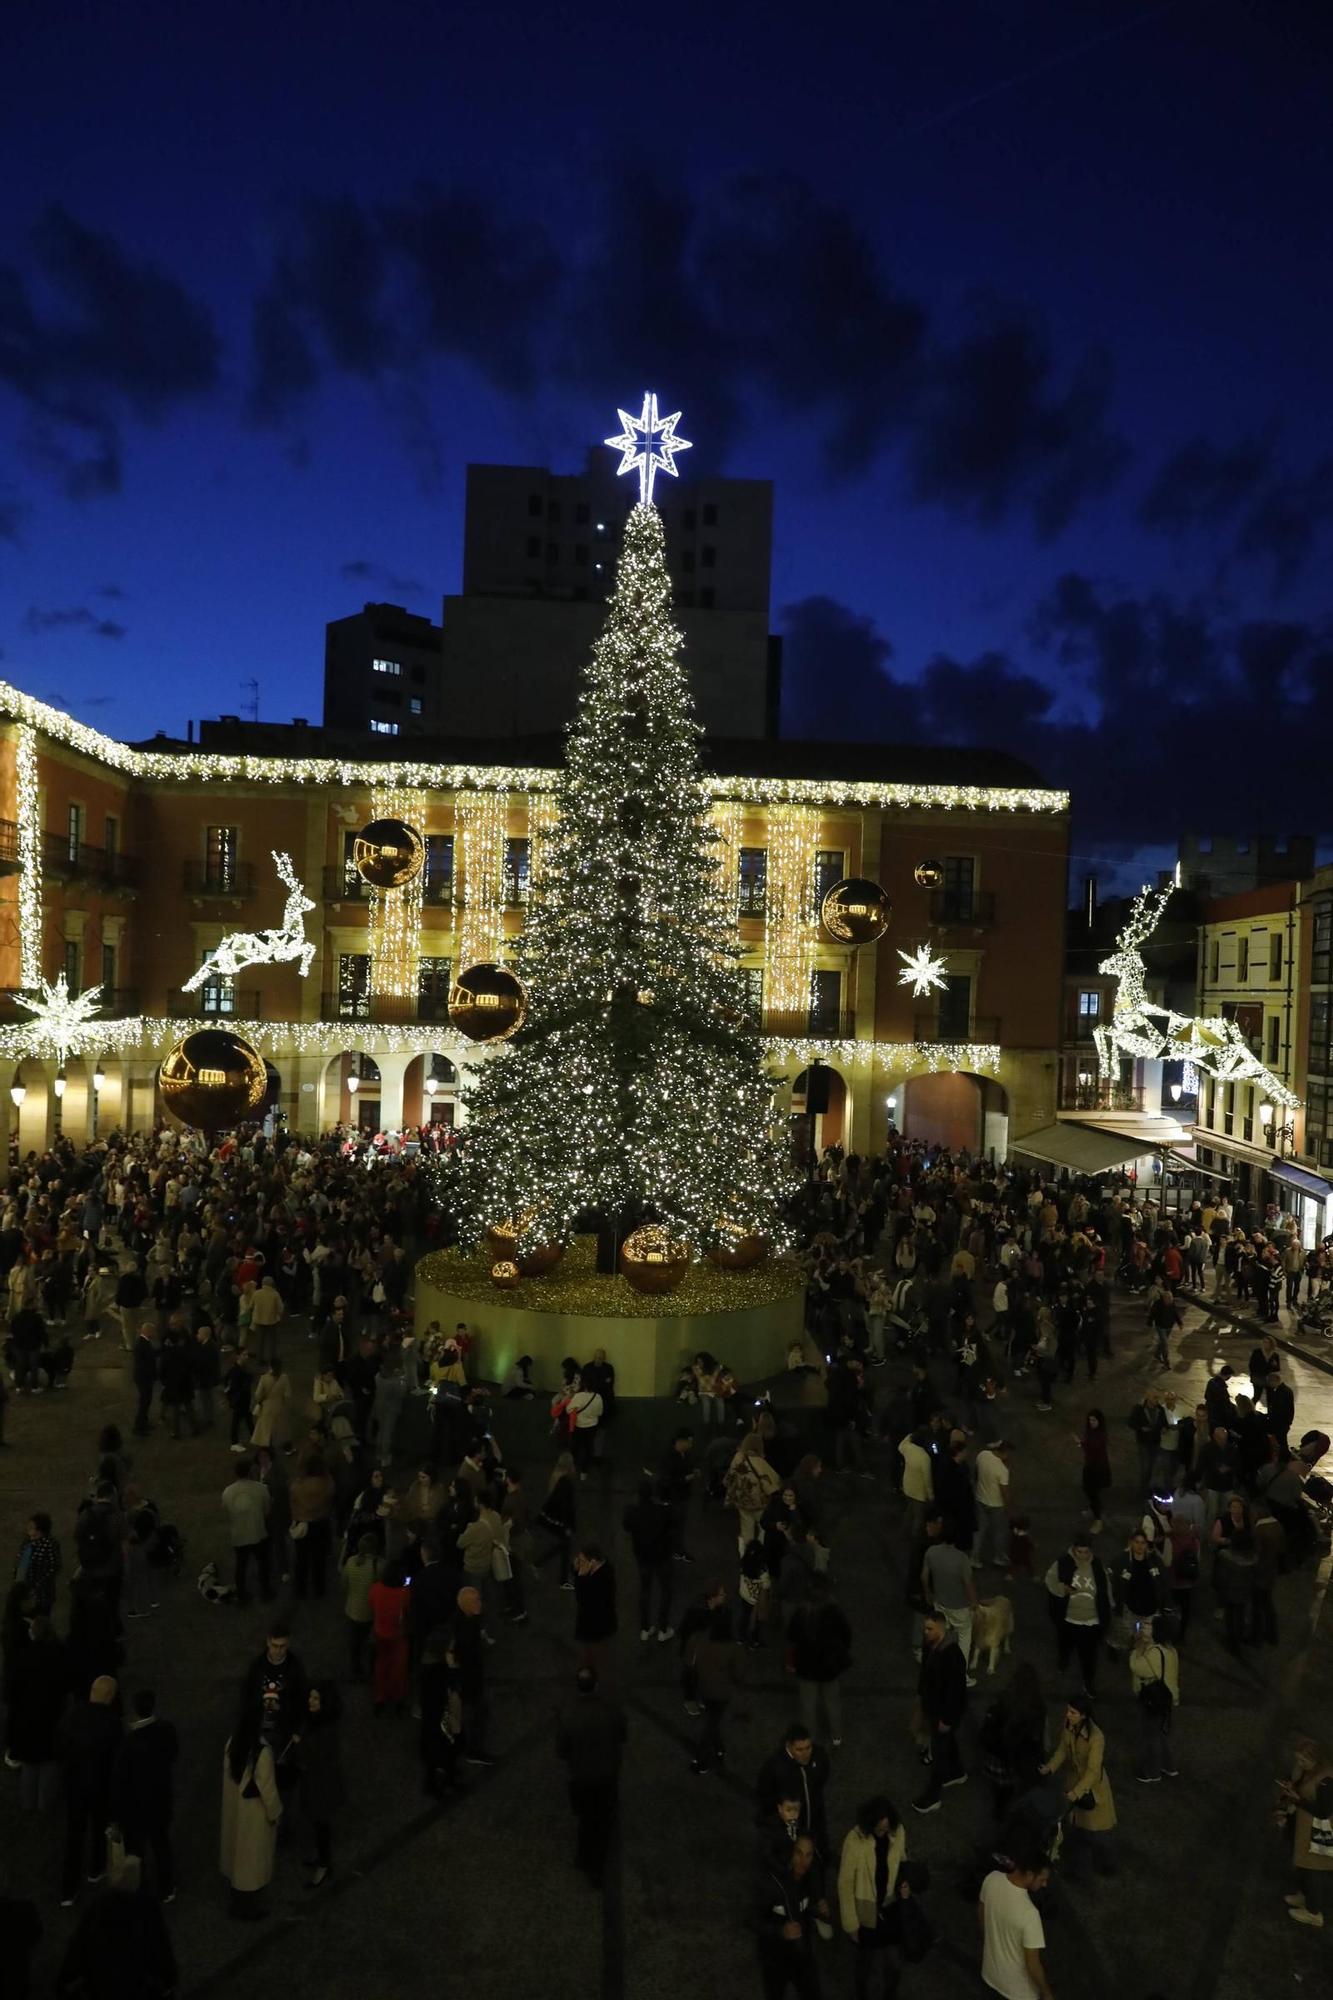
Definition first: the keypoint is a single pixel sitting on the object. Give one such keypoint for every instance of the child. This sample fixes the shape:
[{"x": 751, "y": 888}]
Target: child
[
  {"x": 1020, "y": 1546},
  {"x": 359, "y": 1572},
  {"x": 753, "y": 1592}
]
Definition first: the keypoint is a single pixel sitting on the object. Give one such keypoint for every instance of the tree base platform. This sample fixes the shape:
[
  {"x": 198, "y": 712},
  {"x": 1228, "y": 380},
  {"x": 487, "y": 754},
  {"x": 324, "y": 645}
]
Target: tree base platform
[{"x": 748, "y": 1319}]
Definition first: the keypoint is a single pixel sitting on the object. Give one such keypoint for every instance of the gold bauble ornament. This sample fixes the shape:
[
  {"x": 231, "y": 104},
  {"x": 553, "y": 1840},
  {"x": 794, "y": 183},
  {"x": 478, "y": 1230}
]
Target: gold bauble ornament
[
  {"x": 504, "y": 1274},
  {"x": 544, "y": 1257},
  {"x": 653, "y": 1260},
  {"x": 502, "y": 1239},
  {"x": 736, "y": 1248},
  {"x": 213, "y": 1078},
  {"x": 388, "y": 853},
  {"x": 929, "y": 874},
  {"x": 855, "y": 911},
  {"x": 487, "y": 1003}
]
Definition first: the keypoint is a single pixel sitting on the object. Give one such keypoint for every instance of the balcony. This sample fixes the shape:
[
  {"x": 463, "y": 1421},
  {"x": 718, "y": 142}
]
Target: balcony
[
  {"x": 344, "y": 885},
  {"x": 216, "y": 1003},
  {"x": 67, "y": 860},
  {"x": 982, "y": 1028},
  {"x": 970, "y": 909},
  {"x": 212, "y": 878},
  {"x": 1101, "y": 1096},
  {"x": 811, "y": 1024},
  {"x": 9, "y": 847},
  {"x": 385, "y": 1009},
  {"x": 116, "y": 1003}
]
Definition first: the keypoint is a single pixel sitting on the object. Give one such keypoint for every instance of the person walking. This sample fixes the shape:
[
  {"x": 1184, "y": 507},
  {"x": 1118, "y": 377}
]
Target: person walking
[
  {"x": 246, "y": 1503},
  {"x": 38, "y": 1686},
  {"x": 1154, "y": 1674},
  {"x": 590, "y": 1737},
  {"x": 87, "y": 1740},
  {"x": 798, "y": 1768},
  {"x": 1080, "y": 1593},
  {"x": 993, "y": 1505},
  {"x": 871, "y": 1887},
  {"x": 942, "y": 1701},
  {"x": 359, "y": 1572},
  {"x": 1012, "y": 1934},
  {"x": 712, "y": 1659},
  {"x": 1080, "y": 1756},
  {"x": 648, "y": 1525},
  {"x": 469, "y": 1653},
  {"x": 946, "y": 1576},
  {"x": 749, "y": 1485},
  {"x": 785, "y": 1904},
  {"x": 594, "y": 1610},
  {"x": 318, "y": 1758},
  {"x": 311, "y": 1498},
  {"x": 142, "y": 1789},
  {"x": 120, "y": 1944},
  {"x": 819, "y": 1639},
  {"x": 1306, "y": 1799},
  {"x": 1147, "y": 1422},
  {"x": 1095, "y": 1447},
  {"x": 251, "y": 1809},
  {"x": 273, "y": 1409},
  {"x": 143, "y": 1370},
  {"x": 266, "y": 1316},
  {"x": 389, "y": 1598}
]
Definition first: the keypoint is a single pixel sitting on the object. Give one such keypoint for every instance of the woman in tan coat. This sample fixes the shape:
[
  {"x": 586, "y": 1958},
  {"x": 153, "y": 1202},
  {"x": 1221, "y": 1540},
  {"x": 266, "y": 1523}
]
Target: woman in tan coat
[
  {"x": 1307, "y": 1799},
  {"x": 1081, "y": 1756},
  {"x": 273, "y": 1408},
  {"x": 750, "y": 1484},
  {"x": 251, "y": 1810}
]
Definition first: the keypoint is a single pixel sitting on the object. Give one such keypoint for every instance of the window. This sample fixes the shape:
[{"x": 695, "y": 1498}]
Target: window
[
  {"x": 393, "y": 667},
  {"x": 706, "y": 598},
  {"x": 710, "y": 514},
  {"x": 752, "y": 881},
  {"x": 553, "y": 552},
  {"x": 73, "y": 965},
  {"x": 217, "y": 996},
  {"x": 433, "y": 975},
  {"x": 825, "y": 1002},
  {"x": 1318, "y": 1053},
  {"x": 553, "y": 510},
  {"x": 959, "y": 886},
  {"x": 379, "y": 727},
  {"x": 752, "y": 977},
  {"x": 828, "y": 871},
  {"x": 1275, "y": 955},
  {"x": 534, "y": 504},
  {"x": 1274, "y": 1037},
  {"x": 1214, "y": 960},
  {"x": 687, "y": 520},
  {"x": 1242, "y": 959},
  {"x": 581, "y": 554},
  {"x": 534, "y": 547},
  {"x": 111, "y": 834},
  {"x": 108, "y": 969},
  {"x": 414, "y": 704},
  {"x": 1229, "y": 1109},
  {"x": 1316, "y": 1112},
  {"x": 418, "y": 677},
  {"x": 439, "y": 870},
  {"x": 1089, "y": 1006},
  {"x": 391, "y": 697},
  {"x": 687, "y": 561},
  {"x": 955, "y": 1008},
  {"x": 1321, "y": 959},
  {"x": 708, "y": 556},
  {"x": 221, "y": 869},
  {"x": 517, "y": 869},
  {"x": 75, "y": 831},
  {"x": 581, "y": 513},
  {"x": 685, "y": 599},
  {"x": 354, "y": 986},
  {"x": 1211, "y": 1100}
]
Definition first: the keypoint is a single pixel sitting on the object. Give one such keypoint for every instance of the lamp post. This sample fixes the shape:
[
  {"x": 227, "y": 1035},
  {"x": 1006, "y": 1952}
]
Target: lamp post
[{"x": 99, "y": 1081}]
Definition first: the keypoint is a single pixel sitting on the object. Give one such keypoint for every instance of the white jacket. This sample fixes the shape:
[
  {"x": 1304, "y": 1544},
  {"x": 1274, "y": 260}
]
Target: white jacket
[{"x": 856, "y": 1878}]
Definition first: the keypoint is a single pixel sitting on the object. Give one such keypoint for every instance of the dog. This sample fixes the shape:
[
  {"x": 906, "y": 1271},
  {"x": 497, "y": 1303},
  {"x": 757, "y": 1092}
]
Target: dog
[
  {"x": 992, "y": 1631},
  {"x": 211, "y": 1590}
]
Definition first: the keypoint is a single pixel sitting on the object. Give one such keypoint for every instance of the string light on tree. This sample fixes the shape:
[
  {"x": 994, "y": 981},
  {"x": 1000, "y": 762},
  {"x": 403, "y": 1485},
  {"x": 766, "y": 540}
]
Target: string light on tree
[
  {"x": 648, "y": 444},
  {"x": 922, "y": 970}
]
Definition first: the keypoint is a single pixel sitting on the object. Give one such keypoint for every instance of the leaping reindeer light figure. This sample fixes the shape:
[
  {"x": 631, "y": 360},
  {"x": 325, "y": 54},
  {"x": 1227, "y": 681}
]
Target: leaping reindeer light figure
[
  {"x": 244, "y": 948},
  {"x": 1140, "y": 1027}
]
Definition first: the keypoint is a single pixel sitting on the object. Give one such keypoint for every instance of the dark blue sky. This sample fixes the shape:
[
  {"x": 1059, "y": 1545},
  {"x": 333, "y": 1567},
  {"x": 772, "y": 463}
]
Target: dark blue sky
[{"x": 1024, "y": 305}]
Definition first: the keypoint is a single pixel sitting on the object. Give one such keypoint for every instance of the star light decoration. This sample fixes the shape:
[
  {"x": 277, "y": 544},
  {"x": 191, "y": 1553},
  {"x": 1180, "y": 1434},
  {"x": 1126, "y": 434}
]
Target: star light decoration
[
  {"x": 648, "y": 442},
  {"x": 921, "y": 971},
  {"x": 60, "y": 1016}
]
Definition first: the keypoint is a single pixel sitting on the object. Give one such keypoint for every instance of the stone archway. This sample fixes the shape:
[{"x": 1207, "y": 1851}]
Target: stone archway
[{"x": 957, "y": 1110}]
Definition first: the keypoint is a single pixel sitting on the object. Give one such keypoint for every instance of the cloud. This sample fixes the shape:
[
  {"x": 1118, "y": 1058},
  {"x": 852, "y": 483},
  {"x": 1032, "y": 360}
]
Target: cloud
[
  {"x": 361, "y": 570},
  {"x": 1290, "y": 519},
  {"x": 94, "y": 337},
  {"x": 38, "y": 621},
  {"x": 1201, "y": 485},
  {"x": 836, "y": 676},
  {"x": 12, "y": 516},
  {"x": 111, "y": 591}
]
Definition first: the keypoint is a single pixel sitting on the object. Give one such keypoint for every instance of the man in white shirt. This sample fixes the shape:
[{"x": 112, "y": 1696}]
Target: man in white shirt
[
  {"x": 1012, "y": 1934},
  {"x": 918, "y": 1477},
  {"x": 992, "y": 1478}
]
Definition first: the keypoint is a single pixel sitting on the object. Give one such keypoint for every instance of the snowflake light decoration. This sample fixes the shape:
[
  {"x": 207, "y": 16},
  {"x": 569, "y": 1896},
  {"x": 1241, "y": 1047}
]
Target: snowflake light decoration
[
  {"x": 648, "y": 443},
  {"x": 921, "y": 971},
  {"x": 59, "y": 1016}
]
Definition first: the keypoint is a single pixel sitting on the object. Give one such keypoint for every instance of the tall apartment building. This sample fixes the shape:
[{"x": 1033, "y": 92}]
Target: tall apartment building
[
  {"x": 1220, "y": 865},
  {"x": 970, "y": 850},
  {"x": 382, "y": 673}
]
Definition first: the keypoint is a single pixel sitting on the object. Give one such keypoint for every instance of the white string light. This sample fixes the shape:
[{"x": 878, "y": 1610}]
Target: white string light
[
  {"x": 59, "y": 1015},
  {"x": 483, "y": 818},
  {"x": 240, "y": 949},
  {"x": 648, "y": 444},
  {"x": 395, "y": 914},
  {"x": 30, "y": 857},
  {"x": 789, "y": 914},
  {"x": 922, "y": 970}
]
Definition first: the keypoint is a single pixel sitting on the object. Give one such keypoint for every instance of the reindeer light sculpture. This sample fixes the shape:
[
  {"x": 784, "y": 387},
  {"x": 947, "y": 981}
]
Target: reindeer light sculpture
[
  {"x": 244, "y": 948},
  {"x": 1140, "y": 1027}
]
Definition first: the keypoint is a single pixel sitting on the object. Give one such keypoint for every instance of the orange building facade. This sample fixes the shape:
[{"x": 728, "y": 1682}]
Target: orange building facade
[{"x": 124, "y": 868}]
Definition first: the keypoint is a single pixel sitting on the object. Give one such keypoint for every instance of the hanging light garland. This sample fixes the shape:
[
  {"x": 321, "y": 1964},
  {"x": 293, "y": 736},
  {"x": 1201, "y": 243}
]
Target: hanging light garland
[
  {"x": 789, "y": 914},
  {"x": 395, "y": 914},
  {"x": 542, "y": 816},
  {"x": 483, "y": 819},
  {"x": 30, "y": 859}
]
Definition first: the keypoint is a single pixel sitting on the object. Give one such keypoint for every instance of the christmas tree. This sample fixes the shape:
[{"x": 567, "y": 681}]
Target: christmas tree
[{"x": 635, "y": 1088}]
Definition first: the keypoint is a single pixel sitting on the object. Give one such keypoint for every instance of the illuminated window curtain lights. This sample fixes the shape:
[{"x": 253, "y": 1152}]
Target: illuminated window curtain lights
[
  {"x": 483, "y": 820},
  {"x": 395, "y": 914},
  {"x": 728, "y": 817},
  {"x": 542, "y": 816},
  {"x": 789, "y": 926},
  {"x": 30, "y": 860}
]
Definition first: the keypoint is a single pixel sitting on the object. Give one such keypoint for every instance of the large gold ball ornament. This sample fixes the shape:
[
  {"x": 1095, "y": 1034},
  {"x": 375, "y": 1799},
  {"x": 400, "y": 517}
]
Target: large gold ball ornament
[
  {"x": 213, "y": 1078},
  {"x": 487, "y": 1003},
  {"x": 735, "y": 1248},
  {"x": 388, "y": 853},
  {"x": 502, "y": 1239},
  {"x": 653, "y": 1260},
  {"x": 504, "y": 1274},
  {"x": 929, "y": 874},
  {"x": 855, "y": 911},
  {"x": 543, "y": 1257}
]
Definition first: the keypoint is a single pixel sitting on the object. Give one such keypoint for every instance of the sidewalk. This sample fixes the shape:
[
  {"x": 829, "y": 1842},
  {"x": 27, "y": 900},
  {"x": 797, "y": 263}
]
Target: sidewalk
[{"x": 1288, "y": 1332}]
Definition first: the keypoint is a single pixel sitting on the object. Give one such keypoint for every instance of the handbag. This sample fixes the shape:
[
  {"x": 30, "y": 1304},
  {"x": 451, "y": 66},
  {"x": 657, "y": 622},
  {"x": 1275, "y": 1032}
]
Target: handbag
[
  {"x": 502, "y": 1568},
  {"x": 115, "y": 1852},
  {"x": 1086, "y": 1803},
  {"x": 298, "y": 1530}
]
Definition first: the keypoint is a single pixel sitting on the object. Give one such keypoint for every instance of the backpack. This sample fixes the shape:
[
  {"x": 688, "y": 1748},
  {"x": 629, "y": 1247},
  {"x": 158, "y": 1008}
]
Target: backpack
[
  {"x": 1187, "y": 1564},
  {"x": 742, "y": 1488},
  {"x": 1155, "y": 1697}
]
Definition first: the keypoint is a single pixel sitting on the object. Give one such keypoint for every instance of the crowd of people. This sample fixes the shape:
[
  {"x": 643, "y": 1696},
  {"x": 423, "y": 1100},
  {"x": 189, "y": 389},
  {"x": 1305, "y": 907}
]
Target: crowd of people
[{"x": 380, "y": 1480}]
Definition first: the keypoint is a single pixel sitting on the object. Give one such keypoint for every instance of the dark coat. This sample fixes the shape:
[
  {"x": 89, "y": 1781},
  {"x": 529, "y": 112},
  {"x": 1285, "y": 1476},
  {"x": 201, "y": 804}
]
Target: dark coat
[
  {"x": 88, "y": 1738},
  {"x": 141, "y": 1780},
  {"x": 942, "y": 1682},
  {"x": 821, "y": 1642},
  {"x": 595, "y": 1604},
  {"x": 648, "y": 1525},
  {"x": 144, "y": 1363},
  {"x": 318, "y": 1756},
  {"x": 38, "y": 1690},
  {"x": 591, "y": 1739},
  {"x": 120, "y": 1950},
  {"x": 780, "y": 1774}
]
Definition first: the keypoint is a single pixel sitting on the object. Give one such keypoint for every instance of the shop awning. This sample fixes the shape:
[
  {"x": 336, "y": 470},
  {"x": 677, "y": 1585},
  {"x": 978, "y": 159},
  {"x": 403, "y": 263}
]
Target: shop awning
[
  {"x": 1299, "y": 1177},
  {"x": 1084, "y": 1149},
  {"x": 1186, "y": 1163}
]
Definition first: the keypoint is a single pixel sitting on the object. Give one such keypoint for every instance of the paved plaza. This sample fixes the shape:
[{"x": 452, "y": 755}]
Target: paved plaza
[{"x": 482, "y": 1897}]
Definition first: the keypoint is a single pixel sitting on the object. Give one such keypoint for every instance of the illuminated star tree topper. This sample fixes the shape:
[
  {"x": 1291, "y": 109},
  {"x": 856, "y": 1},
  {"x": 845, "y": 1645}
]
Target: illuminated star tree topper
[
  {"x": 648, "y": 442},
  {"x": 921, "y": 971},
  {"x": 59, "y": 1016}
]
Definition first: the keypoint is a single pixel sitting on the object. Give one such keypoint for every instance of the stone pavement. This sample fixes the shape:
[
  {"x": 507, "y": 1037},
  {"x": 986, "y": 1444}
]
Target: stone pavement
[{"x": 482, "y": 1897}]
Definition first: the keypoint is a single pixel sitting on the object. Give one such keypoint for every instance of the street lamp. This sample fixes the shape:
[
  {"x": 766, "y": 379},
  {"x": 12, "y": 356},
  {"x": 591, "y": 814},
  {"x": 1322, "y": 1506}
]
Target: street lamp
[
  {"x": 59, "y": 1085},
  {"x": 99, "y": 1076},
  {"x": 1175, "y": 1093},
  {"x": 18, "y": 1089}
]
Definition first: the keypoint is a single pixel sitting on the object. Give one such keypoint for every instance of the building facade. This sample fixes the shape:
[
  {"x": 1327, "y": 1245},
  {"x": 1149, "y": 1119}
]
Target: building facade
[
  {"x": 125, "y": 867},
  {"x": 382, "y": 673}
]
